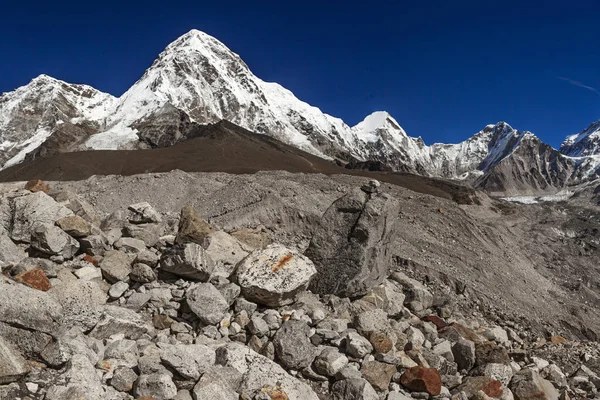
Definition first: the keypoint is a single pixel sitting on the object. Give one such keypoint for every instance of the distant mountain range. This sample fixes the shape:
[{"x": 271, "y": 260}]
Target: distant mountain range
[{"x": 197, "y": 80}]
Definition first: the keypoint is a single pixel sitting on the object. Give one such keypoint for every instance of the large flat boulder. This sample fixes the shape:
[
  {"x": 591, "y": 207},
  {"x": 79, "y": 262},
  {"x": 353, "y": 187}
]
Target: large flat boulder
[
  {"x": 274, "y": 276},
  {"x": 351, "y": 245}
]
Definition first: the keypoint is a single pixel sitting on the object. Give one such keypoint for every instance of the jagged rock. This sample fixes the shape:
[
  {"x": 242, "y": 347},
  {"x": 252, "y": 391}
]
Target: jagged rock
[
  {"x": 496, "y": 334},
  {"x": 490, "y": 352},
  {"x": 257, "y": 326},
  {"x": 32, "y": 209},
  {"x": 472, "y": 385},
  {"x": 219, "y": 383},
  {"x": 371, "y": 321},
  {"x": 29, "y": 342},
  {"x": 12, "y": 364},
  {"x": 150, "y": 234},
  {"x": 141, "y": 213},
  {"x": 330, "y": 361},
  {"x": 207, "y": 303},
  {"x": 499, "y": 372},
  {"x": 88, "y": 273},
  {"x": 225, "y": 250},
  {"x": 123, "y": 379},
  {"x": 95, "y": 245},
  {"x": 81, "y": 379},
  {"x": 29, "y": 308},
  {"x": 274, "y": 276},
  {"x": 554, "y": 374},
  {"x": 192, "y": 228},
  {"x": 415, "y": 337},
  {"x": 79, "y": 206},
  {"x": 10, "y": 253},
  {"x": 418, "y": 297},
  {"x": 116, "y": 266},
  {"x": 147, "y": 257},
  {"x": 142, "y": 273},
  {"x": 464, "y": 354},
  {"x": 355, "y": 388},
  {"x": 527, "y": 384},
  {"x": 53, "y": 241},
  {"x": 82, "y": 302},
  {"x": 130, "y": 245},
  {"x": 292, "y": 345},
  {"x": 34, "y": 278},
  {"x": 189, "y": 261},
  {"x": 159, "y": 386},
  {"x": 75, "y": 226},
  {"x": 117, "y": 320},
  {"x": 259, "y": 371},
  {"x": 190, "y": 361},
  {"x": 378, "y": 374},
  {"x": 357, "y": 346},
  {"x": 118, "y": 289},
  {"x": 350, "y": 247},
  {"x": 420, "y": 379}
]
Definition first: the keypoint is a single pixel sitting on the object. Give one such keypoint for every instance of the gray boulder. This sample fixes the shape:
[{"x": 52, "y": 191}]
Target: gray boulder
[
  {"x": 225, "y": 250},
  {"x": 10, "y": 253},
  {"x": 292, "y": 345},
  {"x": 355, "y": 389},
  {"x": 29, "y": 308},
  {"x": 81, "y": 382},
  {"x": 116, "y": 266},
  {"x": 418, "y": 297},
  {"x": 330, "y": 361},
  {"x": 527, "y": 384},
  {"x": 12, "y": 364},
  {"x": 274, "y": 276},
  {"x": 142, "y": 273},
  {"x": 140, "y": 213},
  {"x": 221, "y": 383},
  {"x": 351, "y": 245},
  {"x": 188, "y": 261},
  {"x": 207, "y": 303},
  {"x": 32, "y": 209},
  {"x": 53, "y": 241},
  {"x": 75, "y": 226},
  {"x": 190, "y": 361},
  {"x": 258, "y": 371},
  {"x": 158, "y": 385},
  {"x": 117, "y": 320}
]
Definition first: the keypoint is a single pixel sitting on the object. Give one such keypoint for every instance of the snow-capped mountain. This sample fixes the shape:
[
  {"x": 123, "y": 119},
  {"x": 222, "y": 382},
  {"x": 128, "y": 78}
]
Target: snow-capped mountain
[
  {"x": 586, "y": 143},
  {"x": 198, "y": 80},
  {"x": 31, "y": 115}
]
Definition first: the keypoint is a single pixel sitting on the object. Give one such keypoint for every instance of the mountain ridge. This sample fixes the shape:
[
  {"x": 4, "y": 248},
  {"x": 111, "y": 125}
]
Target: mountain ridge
[{"x": 198, "y": 80}]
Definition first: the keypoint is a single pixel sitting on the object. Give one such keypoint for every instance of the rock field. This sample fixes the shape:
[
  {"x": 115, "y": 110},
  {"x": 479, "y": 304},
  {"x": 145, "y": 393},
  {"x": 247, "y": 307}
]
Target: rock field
[{"x": 281, "y": 286}]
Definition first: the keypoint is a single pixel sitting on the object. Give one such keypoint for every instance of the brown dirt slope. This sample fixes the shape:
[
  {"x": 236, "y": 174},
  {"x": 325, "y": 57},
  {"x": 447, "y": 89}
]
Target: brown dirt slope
[{"x": 222, "y": 147}]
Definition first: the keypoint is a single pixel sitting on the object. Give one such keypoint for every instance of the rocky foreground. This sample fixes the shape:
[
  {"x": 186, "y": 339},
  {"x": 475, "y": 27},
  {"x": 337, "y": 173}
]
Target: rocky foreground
[{"x": 142, "y": 304}]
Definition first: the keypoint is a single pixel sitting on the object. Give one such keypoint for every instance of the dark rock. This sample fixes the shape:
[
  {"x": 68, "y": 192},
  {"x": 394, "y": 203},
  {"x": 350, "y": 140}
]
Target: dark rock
[{"x": 350, "y": 247}]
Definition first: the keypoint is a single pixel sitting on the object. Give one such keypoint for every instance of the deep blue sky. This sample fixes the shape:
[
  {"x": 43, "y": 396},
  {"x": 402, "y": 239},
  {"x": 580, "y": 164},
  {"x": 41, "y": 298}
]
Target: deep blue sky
[{"x": 443, "y": 69}]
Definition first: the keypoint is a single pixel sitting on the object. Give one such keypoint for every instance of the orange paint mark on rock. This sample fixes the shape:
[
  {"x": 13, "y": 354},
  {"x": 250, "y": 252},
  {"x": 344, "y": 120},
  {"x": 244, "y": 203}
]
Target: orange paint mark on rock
[{"x": 284, "y": 260}]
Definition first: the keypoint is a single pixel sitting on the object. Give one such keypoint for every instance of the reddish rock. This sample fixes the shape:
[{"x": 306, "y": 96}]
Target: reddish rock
[
  {"x": 473, "y": 384},
  {"x": 35, "y": 278},
  {"x": 90, "y": 259},
  {"x": 37, "y": 185},
  {"x": 381, "y": 342},
  {"x": 437, "y": 321},
  {"x": 421, "y": 379}
]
